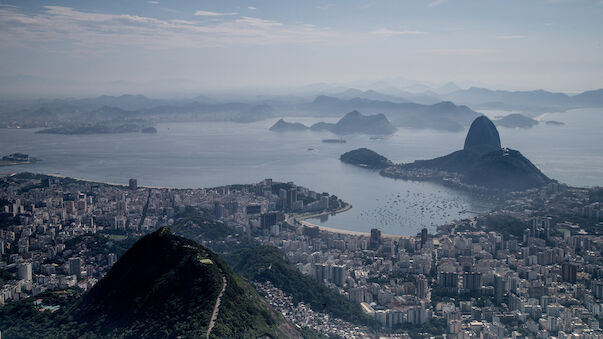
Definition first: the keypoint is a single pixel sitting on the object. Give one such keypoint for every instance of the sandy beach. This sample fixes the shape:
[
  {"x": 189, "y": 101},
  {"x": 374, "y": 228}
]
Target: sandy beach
[{"x": 301, "y": 220}]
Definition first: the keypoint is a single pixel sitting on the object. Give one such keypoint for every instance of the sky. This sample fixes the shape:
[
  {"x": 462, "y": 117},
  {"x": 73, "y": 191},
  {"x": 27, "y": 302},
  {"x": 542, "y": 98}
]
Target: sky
[{"x": 78, "y": 48}]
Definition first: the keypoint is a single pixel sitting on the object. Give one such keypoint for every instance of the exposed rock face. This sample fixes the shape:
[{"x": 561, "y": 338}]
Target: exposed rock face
[{"x": 482, "y": 136}]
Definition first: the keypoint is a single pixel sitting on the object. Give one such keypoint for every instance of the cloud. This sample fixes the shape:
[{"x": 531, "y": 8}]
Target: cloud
[
  {"x": 93, "y": 31},
  {"x": 436, "y": 3},
  {"x": 390, "y": 32},
  {"x": 464, "y": 52},
  {"x": 153, "y": 2},
  {"x": 208, "y": 13},
  {"x": 511, "y": 37},
  {"x": 251, "y": 8}
]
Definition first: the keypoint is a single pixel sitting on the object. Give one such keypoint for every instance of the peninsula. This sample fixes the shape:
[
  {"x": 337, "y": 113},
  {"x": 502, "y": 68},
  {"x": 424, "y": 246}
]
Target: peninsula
[{"x": 482, "y": 164}]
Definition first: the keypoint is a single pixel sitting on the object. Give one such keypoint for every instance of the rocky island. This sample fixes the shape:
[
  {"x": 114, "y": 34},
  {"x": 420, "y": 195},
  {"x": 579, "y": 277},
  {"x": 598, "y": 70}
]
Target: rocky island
[
  {"x": 482, "y": 164},
  {"x": 364, "y": 157},
  {"x": 353, "y": 122},
  {"x": 284, "y": 126},
  {"x": 16, "y": 159},
  {"x": 100, "y": 128},
  {"x": 516, "y": 120}
]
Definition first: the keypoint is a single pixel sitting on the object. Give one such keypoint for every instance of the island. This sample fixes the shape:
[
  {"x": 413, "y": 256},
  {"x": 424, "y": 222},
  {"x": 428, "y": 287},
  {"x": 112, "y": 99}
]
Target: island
[
  {"x": 482, "y": 165},
  {"x": 149, "y": 130},
  {"x": 364, "y": 157},
  {"x": 100, "y": 128},
  {"x": 17, "y": 159},
  {"x": 555, "y": 123},
  {"x": 352, "y": 122},
  {"x": 283, "y": 126},
  {"x": 516, "y": 121}
]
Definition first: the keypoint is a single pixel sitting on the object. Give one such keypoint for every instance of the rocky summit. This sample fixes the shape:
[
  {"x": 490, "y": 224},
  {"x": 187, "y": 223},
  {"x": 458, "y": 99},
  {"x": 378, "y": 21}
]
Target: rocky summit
[
  {"x": 481, "y": 163},
  {"x": 482, "y": 136}
]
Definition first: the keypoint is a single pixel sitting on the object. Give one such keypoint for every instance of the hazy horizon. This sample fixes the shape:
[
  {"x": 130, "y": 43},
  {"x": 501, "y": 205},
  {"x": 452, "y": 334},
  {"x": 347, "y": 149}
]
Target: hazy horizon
[{"x": 156, "y": 48}]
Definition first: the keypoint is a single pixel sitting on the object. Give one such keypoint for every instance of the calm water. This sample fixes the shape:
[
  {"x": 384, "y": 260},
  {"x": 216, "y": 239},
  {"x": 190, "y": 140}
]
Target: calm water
[{"x": 212, "y": 154}]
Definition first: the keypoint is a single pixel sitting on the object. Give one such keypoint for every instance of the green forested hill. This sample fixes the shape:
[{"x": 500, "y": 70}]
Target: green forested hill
[{"x": 165, "y": 286}]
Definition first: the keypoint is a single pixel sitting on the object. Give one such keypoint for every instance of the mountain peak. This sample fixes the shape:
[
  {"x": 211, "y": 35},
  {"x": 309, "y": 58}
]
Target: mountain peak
[
  {"x": 482, "y": 136},
  {"x": 171, "y": 285}
]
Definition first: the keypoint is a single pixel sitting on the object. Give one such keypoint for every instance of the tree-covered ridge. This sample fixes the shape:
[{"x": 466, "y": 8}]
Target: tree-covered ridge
[{"x": 164, "y": 286}]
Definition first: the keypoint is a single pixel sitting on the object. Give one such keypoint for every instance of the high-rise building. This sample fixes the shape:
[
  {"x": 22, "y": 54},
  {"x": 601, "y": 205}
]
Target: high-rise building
[
  {"x": 321, "y": 272},
  {"x": 499, "y": 288},
  {"x": 75, "y": 267},
  {"x": 324, "y": 202},
  {"x": 472, "y": 283},
  {"x": 218, "y": 210},
  {"x": 133, "y": 184},
  {"x": 423, "y": 236},
  {"x": 416, "y": 315},
  {"x": 24, "y": 271},
  {"x": 291, "y": 198},
  {"x": 422, "y": 286},
  {"x": 448, "y": 282},
  {"x": 111, "y": 259},
  {"x": 375, "y": 240},
  {"x": 597, "y": 289},
  {"x": 568, "y": 272},
  {"x": 268, "y": 219},
  {"x": 339, "y": 275}
]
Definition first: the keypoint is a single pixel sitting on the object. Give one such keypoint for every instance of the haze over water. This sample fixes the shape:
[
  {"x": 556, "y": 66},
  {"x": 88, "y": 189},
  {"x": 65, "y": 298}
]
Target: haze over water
[{"x": 208, "y": 154}]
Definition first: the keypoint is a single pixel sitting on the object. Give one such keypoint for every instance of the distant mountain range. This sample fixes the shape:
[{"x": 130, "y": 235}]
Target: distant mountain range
[
  {"x": 531, "y": 103},
  {"x": 444, "y": 108},
  {"x": 444, "y": 115},
  {"x": 108, "y": 108},
  {"x": 352, "y": 122}
]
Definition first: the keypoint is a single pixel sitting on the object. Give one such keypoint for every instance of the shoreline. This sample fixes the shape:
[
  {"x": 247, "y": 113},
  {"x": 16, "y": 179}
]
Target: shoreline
[
  {"x": 300, "y": 220},
  {"x": 293, "y": 219},
  {"x": 61, "y": 176}
]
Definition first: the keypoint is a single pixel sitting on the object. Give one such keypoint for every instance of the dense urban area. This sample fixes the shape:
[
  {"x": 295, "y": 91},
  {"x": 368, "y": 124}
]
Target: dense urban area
[{"x": 531, "y": 268}]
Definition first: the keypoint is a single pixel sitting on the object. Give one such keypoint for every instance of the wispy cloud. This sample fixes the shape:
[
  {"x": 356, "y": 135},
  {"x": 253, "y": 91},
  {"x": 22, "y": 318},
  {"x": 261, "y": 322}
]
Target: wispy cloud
[
  {"x": 391, "y": 32},
  {"x": 510, "y": 37},
  {"x": 92, "y": 30},
  {"x": 436, "y": 3},
  {"x": 208, "y": 13},
  {"x": 252, "y": 8},
  {"x": 464, "y": 52},
  {"x": 153, "y": 2},
  {"x": 324, "y": 7}
]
